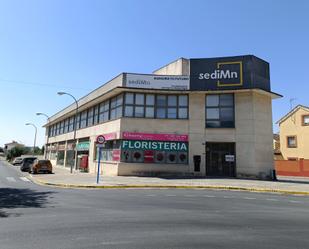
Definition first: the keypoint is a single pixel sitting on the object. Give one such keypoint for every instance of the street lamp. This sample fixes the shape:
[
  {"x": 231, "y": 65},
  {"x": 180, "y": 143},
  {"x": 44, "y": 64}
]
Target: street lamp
[
  {"x": 34, "y": 135},
  {"x": 75, "y": 124},
  {"x": 43, "y": 114}
]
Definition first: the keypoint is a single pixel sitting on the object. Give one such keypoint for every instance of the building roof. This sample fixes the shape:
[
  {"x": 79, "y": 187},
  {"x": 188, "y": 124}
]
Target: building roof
[
  {"x": 13, "y": 143},
  {"x": 295, "y": 109}
]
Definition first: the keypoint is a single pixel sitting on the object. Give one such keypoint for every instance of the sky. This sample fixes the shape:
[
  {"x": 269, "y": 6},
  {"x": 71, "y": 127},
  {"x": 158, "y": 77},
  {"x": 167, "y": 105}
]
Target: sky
[{"x": 76, "y": 46}]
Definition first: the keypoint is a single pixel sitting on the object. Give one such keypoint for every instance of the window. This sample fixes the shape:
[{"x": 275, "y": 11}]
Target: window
[
  {"x": 150, "y": 106},
  {"x": 220, "y": 111},
  {"x": 78, "y": 121},
  {"x": 156, "y": 106},
  {"x": 83, "y": 119},
  {"x": 305, "y": 120},
  {"x": 90, "y": 117},
  {"x": 172, "y": 106},
  {"x": 116, "y": 107},
  {"x": 53, "y": 130},
  {"x": 291, "y": 141},
  {"x": 58, "y": 128},
  {"x": 161, "y": 106},
  {"x": 71, "y": 124},
  {"x": 139, "y": 105},
  {"x": 62, "y": 127},
  {"x": 129, "y": 107},
  {"x": 183, "y": 106},
  {"x": 104, "y": 111},
  {"x": 66, "y": 126},
  {"x": 109, "y": 150},
  {"x": 96, "y": 115}
]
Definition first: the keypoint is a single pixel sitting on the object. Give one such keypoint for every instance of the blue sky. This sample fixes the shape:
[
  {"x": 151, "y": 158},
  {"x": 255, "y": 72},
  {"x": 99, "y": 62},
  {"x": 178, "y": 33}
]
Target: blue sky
[{"x": 75, "y": 46}]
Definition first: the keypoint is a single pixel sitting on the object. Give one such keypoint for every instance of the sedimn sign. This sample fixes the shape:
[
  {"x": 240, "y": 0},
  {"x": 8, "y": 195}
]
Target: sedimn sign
[
  {"x": 154, "y": 145},
  {"x": 237, "y": 72}
]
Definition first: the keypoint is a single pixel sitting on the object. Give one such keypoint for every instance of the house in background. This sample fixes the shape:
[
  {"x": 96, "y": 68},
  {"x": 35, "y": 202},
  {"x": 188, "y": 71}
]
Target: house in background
[
  {"x": 294, "y": 134},
  {"x": 13, "y": 144}
]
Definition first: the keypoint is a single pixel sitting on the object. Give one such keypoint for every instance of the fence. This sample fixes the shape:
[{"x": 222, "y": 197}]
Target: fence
[{"x": 292, "y": 168}]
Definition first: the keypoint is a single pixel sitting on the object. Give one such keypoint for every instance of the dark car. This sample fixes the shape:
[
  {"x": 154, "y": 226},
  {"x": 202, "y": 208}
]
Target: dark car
[
  {"x": 41, "y": 166},
  {"x": 26, "y": 163}
]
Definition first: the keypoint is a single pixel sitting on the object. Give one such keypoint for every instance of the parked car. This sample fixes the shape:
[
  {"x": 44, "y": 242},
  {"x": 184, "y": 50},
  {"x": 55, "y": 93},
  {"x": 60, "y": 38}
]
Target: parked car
[
  {"x": 26, "y": 163},
  {"x": 41, "y": 166},
  {"x": 17, "y": 161}
]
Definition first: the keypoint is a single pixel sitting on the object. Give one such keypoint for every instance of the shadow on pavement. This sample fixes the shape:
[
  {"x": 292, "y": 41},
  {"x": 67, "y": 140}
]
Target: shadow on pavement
[{"x": 11, "y": 198}]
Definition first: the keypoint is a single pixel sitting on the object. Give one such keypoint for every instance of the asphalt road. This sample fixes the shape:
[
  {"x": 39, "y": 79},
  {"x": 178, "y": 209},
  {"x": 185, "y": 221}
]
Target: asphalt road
[{"x": 33, "y": 216}]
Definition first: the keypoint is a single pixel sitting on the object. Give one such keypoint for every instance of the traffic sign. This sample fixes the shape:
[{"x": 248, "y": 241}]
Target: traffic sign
[{"x": 100, "y": 139}]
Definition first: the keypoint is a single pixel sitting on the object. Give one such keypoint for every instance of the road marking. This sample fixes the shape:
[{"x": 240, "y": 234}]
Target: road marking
[
  {"x": 189, "y": 195},
  {"x": 209, "y": 196},
  {"x": 25, "y": 179},
  {"x": 170, "y": 195},
  {"x": 271, "y": 199},
  {"x": 11, "y": 179},
  {"x": 228, "y": 197},
  {"x": 249, "y": 198},
  {"x": 150, "y": 195}
]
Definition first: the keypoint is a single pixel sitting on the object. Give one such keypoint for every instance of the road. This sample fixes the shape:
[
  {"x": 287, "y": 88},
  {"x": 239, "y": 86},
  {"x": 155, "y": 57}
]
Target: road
[{"x": 33, "y": 216}]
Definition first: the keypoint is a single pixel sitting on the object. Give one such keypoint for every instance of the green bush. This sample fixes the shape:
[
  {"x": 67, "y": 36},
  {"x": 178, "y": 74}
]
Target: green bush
[{"x": 16, "y": 152}]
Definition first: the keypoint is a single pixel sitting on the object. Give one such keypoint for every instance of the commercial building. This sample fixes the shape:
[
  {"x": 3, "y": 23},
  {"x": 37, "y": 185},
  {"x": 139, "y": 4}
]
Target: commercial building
[
  {"x": 197, "y": 117},
  {"x": 294, "y": 134}
]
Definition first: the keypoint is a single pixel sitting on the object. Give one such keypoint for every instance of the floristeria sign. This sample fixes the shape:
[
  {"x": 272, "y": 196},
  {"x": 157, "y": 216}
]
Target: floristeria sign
[{"x": 154, "y": 145}]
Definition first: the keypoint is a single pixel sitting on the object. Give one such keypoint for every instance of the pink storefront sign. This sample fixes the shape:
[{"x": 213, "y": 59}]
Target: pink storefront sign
[
  {"x": 110, "y": 136},
  {"x": 155, "y": 137}
]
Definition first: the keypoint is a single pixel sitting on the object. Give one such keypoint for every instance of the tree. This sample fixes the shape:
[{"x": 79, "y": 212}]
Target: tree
[{"x": 16, "y": 152}]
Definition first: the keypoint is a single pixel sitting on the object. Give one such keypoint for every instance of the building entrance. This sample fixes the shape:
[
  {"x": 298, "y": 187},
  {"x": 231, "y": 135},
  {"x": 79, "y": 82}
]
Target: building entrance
[{"x": 220, "y": 159}]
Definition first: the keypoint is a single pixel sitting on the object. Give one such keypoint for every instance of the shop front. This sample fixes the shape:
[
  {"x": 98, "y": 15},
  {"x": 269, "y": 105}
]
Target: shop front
[
  {"x": 110, "y": 151},
  {"x": 154, "y": 148},
  {"x": 70, "y": 154},
  {"x": 60, "y": 154},
  {"x": 220, "y": 159},
  {"x": 83, "y": 154}
]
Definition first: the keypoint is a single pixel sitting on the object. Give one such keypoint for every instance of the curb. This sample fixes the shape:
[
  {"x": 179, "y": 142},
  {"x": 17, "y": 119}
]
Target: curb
[
  {"x": 216, "y": 187},
  {"x": 148, "y": 186}
]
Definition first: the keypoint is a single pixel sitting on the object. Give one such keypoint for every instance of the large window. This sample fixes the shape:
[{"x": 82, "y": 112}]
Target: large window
[
  {"x": 96, "y": 115},
  {"x": 116, "y": 107},
  {"x": 71, "y": 123},
  {"x": 90, "y": 117},
  {"x": 104, "y": 111},
  {"x": 220, "y": 111},
  {"x": 66, "y": 126},
  {"x": 110, "y": 151},
  {"x": 163, "y": 106},
  {"x": 83, "y": 120},
  {"x": 138, "y": 105}
]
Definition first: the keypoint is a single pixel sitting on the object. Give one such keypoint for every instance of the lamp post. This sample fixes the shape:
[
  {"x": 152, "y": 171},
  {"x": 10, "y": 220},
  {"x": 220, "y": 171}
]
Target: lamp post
[
  {"x": 75, "y": 124},
  {"x": 43, "y": 114},
  {"x": 34, "y": 135}
]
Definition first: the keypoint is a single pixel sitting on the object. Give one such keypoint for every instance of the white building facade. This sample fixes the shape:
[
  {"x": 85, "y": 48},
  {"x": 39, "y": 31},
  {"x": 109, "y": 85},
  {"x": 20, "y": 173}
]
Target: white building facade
[{"x": 192, "y": 117}]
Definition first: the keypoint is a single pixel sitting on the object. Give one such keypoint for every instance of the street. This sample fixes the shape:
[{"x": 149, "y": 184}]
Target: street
[{"x": 33, "y": 216}]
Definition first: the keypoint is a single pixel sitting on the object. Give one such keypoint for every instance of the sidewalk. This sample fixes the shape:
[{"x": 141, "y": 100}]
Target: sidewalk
[{"x": 63, "y": 178}]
